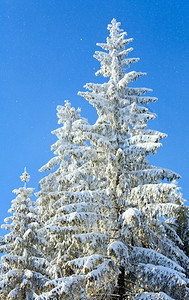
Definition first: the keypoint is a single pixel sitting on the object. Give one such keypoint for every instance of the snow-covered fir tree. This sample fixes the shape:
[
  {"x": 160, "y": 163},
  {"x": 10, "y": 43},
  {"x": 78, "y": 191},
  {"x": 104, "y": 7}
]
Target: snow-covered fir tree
[
  {"x": 142, "y": 202},
  {"x": 113, "y": 215},
  {"x": 65, "y": 203},
  {"x": 74, "y": 212},
  {"x": 23, "y": 267}
]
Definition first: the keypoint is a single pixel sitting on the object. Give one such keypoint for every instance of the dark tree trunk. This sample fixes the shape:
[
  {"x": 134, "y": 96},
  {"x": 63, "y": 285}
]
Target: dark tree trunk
[{"x": 121, "y": 283}]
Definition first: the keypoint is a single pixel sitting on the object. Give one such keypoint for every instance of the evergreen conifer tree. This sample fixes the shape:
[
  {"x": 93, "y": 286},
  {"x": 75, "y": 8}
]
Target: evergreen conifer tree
[
  {"x": 74, "y": 214},
  {"x": 23, "y": 267},
  {"x": 142, "y": 202},
  {"x": 113, "y": 214}
]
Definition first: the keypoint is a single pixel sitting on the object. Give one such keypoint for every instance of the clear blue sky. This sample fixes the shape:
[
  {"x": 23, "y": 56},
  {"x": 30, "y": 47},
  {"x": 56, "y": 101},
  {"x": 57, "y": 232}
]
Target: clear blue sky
[{"x": 46, "y": 56}]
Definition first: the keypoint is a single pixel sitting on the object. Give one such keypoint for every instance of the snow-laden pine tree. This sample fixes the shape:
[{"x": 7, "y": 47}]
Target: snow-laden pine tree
[
  {"x": 109, "y": 213},
  {"x": 70, "y": 151},
  {"x": 75, "y": 217},
  {"x": 23, "y": 267},
  {"x": 143, "y": 203},
  {"x": 65, "y": 204}
]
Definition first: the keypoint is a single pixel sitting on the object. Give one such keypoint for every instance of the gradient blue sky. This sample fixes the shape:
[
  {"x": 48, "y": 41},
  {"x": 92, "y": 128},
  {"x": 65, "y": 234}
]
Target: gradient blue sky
[{"x": 46, "y": 56}]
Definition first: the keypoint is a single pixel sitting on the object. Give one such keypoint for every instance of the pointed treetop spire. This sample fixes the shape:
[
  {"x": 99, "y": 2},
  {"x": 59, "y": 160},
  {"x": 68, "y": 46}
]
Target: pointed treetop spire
[
  {"x": 114, "y": 62},
  {"x": 25, "y": 177},
  {"x": 114, "y": 28}
]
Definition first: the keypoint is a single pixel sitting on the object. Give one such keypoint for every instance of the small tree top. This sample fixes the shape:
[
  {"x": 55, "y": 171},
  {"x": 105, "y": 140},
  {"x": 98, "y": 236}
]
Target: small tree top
[{"x": 25, "y": 177}]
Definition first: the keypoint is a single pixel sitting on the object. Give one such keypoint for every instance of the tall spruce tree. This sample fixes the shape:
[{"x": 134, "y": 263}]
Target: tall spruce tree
[
  {"x": 142, "y": 201},
  {"x": 111, "y": 215},
  {"x": 67, "y": 209},
  {"x": 23, "y": 267}
]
